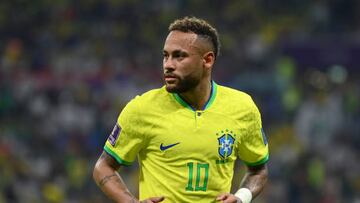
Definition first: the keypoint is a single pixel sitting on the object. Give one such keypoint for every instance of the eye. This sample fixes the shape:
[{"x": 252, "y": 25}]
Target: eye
[
  {"x": 176, "y": 55},
  {"x": 179, "y": 55},
  {"x": 165, "y": 55}
]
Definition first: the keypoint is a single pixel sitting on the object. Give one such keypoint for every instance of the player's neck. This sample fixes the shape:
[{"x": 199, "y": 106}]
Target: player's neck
[{"x": 198, "y": 96}]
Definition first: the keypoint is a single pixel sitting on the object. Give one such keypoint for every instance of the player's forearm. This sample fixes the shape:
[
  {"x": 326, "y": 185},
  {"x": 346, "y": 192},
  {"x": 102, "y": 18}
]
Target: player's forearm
[
  {"x": 255, "y": 179},
  {"x": 111, "y": 183}
]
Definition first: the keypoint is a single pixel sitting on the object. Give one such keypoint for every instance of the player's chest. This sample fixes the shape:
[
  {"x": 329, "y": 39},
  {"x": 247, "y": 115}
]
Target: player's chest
[{"x": 201, "y": 134}]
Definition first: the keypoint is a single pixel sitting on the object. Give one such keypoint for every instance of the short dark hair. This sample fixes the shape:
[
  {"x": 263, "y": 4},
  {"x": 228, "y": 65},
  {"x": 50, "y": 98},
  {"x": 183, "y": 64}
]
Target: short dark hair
[{"x": 199, "y": 27}]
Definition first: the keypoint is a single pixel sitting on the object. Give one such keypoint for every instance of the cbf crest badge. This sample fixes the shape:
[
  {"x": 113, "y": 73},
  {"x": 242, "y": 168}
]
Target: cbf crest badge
[{"x": 226, "y": 144}]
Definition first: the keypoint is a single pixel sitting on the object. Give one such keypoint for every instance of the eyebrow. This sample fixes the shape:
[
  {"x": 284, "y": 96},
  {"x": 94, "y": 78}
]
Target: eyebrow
[
  {"x": 176, "y": 50},
  {"x": 181, "y": 51}
]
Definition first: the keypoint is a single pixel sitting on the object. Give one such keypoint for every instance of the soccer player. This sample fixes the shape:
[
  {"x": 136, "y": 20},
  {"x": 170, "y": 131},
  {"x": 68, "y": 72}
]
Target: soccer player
[{"x": 187, "y": 134}]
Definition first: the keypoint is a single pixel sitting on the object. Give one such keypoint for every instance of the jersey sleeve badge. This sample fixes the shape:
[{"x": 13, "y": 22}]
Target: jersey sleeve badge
[{"x": 114, "y": 135}]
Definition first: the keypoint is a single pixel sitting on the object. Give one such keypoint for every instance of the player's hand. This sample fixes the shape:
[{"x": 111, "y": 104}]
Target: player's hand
[
  {"x": 228, "y": 198},
  {"x": 153, "y": 200}
]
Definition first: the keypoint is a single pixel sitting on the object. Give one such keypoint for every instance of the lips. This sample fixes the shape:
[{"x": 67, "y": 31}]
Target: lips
[{"x": 170, "y": 78}]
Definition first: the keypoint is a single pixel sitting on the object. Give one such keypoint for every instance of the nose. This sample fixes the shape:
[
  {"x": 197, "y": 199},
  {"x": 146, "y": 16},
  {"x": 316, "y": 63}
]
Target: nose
[{"x": 168, "y": 64}]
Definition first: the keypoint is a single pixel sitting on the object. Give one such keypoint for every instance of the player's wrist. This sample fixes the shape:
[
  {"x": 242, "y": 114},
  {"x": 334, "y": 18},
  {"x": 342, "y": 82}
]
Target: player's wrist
[{"x": 243, "y": 195}]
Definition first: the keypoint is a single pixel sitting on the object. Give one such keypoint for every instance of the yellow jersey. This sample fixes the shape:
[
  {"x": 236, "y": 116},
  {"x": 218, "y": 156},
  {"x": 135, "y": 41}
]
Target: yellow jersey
[{"x": 184, "y": 154}]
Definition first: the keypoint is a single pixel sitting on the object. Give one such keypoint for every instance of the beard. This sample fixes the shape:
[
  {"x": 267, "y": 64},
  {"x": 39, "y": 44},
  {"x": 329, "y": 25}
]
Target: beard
[{"x": 182, "y": 85}]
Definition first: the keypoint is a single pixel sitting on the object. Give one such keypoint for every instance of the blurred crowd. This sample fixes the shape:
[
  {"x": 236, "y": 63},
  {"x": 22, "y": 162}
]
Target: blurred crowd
[{"x": 67, "y": 68}]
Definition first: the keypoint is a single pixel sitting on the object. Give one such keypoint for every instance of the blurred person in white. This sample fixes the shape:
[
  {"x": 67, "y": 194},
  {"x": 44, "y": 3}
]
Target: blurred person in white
[{"x": 320, "y": 116}]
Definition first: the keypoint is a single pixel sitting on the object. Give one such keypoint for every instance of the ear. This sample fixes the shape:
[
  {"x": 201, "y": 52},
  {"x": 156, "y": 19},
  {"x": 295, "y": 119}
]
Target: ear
[{"x": 208, "y": 59}]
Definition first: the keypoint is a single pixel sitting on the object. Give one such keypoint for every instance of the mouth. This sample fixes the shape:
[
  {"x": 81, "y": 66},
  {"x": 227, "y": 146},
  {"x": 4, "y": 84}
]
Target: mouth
[{"x": 170, "y": 78}]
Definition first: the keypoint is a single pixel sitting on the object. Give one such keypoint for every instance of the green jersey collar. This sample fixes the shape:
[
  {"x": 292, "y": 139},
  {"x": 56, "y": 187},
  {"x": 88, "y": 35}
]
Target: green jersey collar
[{"x": 207, "y": 104}]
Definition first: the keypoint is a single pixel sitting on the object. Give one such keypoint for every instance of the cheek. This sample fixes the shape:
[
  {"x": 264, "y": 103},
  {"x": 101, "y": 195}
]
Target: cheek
[
  {"x": 191, "y": 68},
  {"x": 197, "y": 70}
]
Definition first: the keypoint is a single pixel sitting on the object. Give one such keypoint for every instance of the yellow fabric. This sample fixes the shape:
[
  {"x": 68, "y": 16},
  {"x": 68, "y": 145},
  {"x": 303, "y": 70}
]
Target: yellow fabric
[{"x": 191, "y": 167}]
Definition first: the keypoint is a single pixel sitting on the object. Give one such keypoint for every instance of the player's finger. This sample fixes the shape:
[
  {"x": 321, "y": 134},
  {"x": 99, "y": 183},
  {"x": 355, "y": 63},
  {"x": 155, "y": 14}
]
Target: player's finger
[
  {"x": 230, "y": 199},
  {"x": 221, "y": 197},
  {"x": 157, "y": 199}
]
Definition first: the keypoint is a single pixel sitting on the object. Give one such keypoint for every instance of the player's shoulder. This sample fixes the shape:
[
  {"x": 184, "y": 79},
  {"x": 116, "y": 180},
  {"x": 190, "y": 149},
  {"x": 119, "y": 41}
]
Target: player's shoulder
[
  {"x": 236, "y": 103},
  {"x": 234, "y": 96},
  {"x": 150, "y": 99},
  {"x": 152, "y": 96}
]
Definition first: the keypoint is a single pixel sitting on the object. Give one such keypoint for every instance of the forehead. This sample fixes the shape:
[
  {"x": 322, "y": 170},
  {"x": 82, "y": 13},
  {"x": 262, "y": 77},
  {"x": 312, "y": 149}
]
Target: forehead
[{"x": 177, "y": 40}]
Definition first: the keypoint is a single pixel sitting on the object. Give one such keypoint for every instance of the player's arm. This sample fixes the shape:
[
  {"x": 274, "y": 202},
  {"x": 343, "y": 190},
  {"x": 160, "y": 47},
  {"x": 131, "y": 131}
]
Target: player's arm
[
  {"x": 255, "y": 179},
  {"x": 251, "y": 185},
  {"x": 110, "y": 182}
]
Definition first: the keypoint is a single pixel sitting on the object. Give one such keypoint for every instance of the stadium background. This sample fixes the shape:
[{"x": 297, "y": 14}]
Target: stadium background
[{"x": 67, "y": 68}]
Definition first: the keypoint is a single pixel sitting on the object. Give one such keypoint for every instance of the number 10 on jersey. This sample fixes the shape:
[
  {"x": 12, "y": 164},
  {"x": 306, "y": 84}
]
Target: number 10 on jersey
[{"x": 200, "y": 169}]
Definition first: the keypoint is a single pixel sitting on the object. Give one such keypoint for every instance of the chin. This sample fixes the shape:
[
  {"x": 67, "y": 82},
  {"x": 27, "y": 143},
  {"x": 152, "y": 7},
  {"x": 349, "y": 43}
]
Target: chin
[
  {"x": 180, "y": 86},
  {"x": 175, "y": 89},
  {"x": 171, "y": 88}
]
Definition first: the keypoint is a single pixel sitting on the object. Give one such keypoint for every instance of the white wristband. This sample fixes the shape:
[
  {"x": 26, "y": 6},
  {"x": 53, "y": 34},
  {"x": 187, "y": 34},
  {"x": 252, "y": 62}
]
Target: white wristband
[{"x": 244, "y": 195}]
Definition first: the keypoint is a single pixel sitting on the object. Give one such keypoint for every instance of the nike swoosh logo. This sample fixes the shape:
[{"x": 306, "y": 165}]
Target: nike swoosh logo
[{"x": 165, "y": 147}]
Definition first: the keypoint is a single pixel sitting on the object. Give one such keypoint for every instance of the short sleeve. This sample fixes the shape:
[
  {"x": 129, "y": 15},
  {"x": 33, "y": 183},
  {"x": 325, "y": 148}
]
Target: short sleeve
[
  {"x": 126, "y": 140},
  {"x": 253, "y": 146}
]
